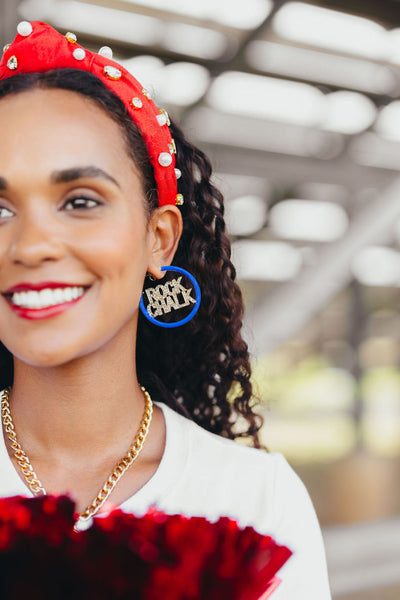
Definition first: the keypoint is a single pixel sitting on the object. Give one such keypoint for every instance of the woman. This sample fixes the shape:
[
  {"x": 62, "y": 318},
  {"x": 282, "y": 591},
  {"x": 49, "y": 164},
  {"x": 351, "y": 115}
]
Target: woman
[{"x": 89, "y": 206}]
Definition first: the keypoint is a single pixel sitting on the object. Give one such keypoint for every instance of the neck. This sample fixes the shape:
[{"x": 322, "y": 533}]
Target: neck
[{"x": 87, "y": 406}]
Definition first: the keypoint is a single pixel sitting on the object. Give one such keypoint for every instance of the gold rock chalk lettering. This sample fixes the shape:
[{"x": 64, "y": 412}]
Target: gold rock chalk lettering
[{"x": 165, "y": 297}]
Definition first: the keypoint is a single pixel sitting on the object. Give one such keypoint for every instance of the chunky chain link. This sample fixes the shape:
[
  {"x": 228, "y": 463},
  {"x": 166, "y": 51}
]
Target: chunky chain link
[
  {"x": 119, "y": 469},
  {"x": 125, "y": 461},
  {"x": 22, "y": 459}
]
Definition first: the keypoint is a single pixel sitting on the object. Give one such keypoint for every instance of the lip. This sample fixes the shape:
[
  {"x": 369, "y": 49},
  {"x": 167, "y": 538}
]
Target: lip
[
  {"x": 41, "y": 285},
  {"x": 33, "y": 314}
]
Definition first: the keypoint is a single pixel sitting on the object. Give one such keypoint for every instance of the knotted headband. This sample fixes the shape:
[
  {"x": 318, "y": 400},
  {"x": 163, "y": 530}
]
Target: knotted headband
[{"x": 38, "y": 47}]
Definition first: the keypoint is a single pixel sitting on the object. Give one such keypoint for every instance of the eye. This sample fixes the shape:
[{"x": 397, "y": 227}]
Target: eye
[
  {"x": 5, "y": 213},
  {"x": 80, "y": 203}
]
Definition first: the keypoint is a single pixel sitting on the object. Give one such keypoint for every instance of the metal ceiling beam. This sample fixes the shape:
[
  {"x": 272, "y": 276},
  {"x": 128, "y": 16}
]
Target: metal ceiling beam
[
  {"x": 283, "y": 169},
  {"x": 281, "y": 313},
  {"x": 386, "y": 11},
  {"x": 237, "y": 61}
]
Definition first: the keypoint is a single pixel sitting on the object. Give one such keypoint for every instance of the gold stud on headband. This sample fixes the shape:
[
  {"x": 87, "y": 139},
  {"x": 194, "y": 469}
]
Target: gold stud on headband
[
  {"x": 6, "y": 47},
  {"x": 179, "y": 199},
  {"x": 163, "y": 118},
  {"x": 172, "y": 147},
  {"x": 146, "y": 93},
  {"x": 136, "y": 102},
  {"x": 112, "y": 72},
  {"x": 71, "y": 37},
  {"x": 12, "y": 63}
]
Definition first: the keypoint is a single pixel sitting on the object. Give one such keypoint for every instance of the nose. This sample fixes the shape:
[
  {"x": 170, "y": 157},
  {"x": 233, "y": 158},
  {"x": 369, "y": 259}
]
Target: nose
[{"x": 34, "y": 241}]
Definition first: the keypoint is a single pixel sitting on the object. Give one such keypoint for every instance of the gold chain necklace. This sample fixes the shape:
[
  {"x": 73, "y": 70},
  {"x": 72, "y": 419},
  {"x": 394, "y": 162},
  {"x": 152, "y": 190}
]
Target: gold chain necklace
[{"x": 119, "y": 469}]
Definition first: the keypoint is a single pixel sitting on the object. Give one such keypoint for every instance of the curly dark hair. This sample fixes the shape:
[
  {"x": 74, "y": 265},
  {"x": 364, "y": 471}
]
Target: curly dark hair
[{"x": 201, "y": 369}]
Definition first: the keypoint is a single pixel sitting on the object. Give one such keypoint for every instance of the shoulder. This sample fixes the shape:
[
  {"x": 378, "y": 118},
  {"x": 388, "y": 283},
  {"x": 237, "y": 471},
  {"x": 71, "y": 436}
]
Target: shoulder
[
  {"x": 251, "y": 485},
  {"x": 214, "y": 451},
  {"x": 221, "y": 477}
]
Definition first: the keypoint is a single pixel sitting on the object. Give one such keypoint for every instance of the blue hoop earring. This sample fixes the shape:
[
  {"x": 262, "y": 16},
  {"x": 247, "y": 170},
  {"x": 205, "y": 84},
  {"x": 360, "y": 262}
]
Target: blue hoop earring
[{"x": 159, "y": 297}]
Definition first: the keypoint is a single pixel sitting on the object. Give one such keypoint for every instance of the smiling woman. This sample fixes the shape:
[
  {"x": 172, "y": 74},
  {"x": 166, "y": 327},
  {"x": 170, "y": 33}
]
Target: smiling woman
[
  {"x": 88, "y": 208},
  {"x": 68, "y": 227}
]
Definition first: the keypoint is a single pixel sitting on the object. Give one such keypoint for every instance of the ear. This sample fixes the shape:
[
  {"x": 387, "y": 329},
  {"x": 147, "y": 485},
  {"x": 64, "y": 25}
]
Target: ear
[{"x": 165, "y": 228}]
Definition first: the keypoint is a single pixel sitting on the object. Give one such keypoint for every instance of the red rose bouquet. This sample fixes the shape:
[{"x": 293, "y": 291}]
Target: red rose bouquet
[{"x": 122, "y": 556}]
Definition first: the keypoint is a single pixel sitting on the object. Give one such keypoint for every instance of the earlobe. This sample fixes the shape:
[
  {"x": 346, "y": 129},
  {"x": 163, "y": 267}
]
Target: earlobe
[{"x": 166, "y": 229}]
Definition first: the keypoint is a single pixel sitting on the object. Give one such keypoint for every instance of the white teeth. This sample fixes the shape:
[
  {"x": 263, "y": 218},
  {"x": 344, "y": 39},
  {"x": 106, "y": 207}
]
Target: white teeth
[
  {"x": 33, "y": 299},
  {"x": 58, "y": 296},
  {"x": 46, "y": 297}
]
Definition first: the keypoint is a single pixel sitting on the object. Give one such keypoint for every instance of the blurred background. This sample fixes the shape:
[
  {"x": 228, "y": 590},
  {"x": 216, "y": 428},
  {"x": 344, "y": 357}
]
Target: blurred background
[{"x": 297, "y": 105}]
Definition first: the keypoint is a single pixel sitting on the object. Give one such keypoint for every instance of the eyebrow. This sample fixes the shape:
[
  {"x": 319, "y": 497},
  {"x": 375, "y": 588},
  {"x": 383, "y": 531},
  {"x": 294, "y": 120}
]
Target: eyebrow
[{"x": 69, "y": 175}]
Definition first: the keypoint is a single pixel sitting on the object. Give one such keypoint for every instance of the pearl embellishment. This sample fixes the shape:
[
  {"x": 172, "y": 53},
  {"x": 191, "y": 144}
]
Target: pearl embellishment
[
  {"x": 79, "y": 54},
  {"x": 106, "y": 52},
  {"x": 146, "y": 93},
  {"x": 178, "y": 173},
  {"x": 24, "y": 28},
  {"x": 165, "y": 159}
]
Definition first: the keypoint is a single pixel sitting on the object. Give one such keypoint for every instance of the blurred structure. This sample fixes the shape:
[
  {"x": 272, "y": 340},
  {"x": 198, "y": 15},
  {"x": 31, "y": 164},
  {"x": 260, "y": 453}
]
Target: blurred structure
[{"x": 296, "y": 104}]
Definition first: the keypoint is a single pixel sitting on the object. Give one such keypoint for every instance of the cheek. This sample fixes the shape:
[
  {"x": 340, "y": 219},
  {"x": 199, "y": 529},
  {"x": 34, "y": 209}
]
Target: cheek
[
  {"x": 7, "y": 236},
  {"x": 119, "y": 251}
]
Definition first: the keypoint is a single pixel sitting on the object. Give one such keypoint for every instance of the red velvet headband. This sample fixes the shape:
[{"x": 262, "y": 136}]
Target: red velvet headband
[{"x": 38, "y": 48}]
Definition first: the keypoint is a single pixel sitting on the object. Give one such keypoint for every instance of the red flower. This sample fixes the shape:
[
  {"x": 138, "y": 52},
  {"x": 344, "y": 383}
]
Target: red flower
[{"x": 127, "y": 557}]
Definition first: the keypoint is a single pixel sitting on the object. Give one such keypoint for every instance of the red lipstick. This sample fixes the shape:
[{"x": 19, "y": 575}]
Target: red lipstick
[
  {"x": 41, "y": 285},
  {"x": 33, "y": 314},
  {"x": 47, "y": 311}
]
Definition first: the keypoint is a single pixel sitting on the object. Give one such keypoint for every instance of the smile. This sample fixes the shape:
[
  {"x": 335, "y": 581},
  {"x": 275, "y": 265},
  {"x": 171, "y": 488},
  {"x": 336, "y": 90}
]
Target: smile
[
  {"x": 45, "y": 298},
  {"x": 35, "y": 301}
]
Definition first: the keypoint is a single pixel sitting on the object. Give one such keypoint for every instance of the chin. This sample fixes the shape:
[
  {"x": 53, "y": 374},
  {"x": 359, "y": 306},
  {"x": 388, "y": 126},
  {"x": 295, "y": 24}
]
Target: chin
[
  {"x": 42, "y": 355},
  {"x": 43, "y": 359}
]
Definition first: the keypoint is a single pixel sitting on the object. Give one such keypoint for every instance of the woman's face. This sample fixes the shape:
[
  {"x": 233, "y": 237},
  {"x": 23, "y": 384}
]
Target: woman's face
[{"x": 75, "y": 240}]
